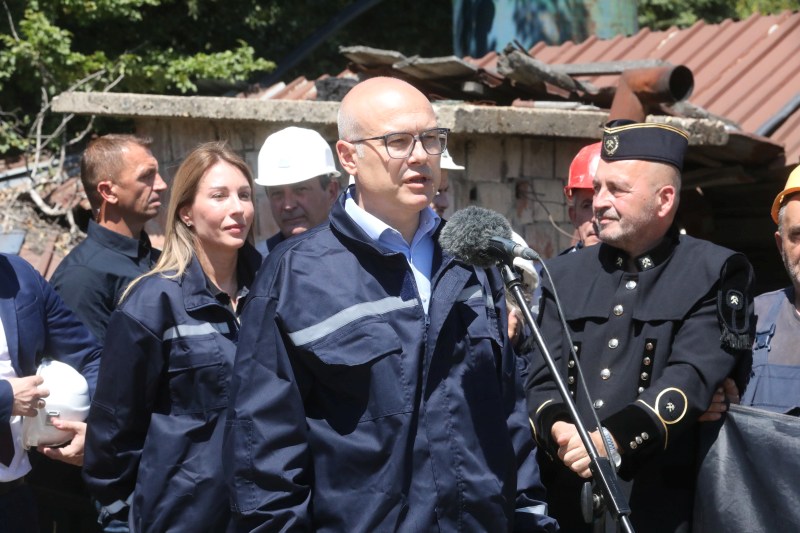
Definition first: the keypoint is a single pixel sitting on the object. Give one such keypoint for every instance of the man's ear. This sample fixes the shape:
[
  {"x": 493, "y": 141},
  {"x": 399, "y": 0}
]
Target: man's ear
[
  {"x": 333, "y": 190},
  {"x": 108, "y": 191},
  {"x": 347, "y": 156},
  {"x": 572, "y": 215},
  {"x": 779, "y": 242},
  {"x": 666, "y": 200}
]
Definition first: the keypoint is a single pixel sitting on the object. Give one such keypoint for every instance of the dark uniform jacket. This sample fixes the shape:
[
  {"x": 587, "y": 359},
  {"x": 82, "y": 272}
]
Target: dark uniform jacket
[
  {"x": 92, "y": 277},
  {"x": 653, "y": 345},
  {"x": 155, "y": 426},
  {"x": 353, "y": 410}
]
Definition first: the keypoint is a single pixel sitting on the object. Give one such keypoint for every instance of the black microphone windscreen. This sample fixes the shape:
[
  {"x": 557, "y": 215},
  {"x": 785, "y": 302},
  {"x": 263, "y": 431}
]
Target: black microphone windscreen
[{"x": 466, "y": 234}]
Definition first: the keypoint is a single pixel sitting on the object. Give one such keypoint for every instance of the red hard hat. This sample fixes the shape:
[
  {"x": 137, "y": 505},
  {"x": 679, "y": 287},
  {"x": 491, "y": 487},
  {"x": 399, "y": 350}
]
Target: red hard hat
[{"x": 582, "y": 169}]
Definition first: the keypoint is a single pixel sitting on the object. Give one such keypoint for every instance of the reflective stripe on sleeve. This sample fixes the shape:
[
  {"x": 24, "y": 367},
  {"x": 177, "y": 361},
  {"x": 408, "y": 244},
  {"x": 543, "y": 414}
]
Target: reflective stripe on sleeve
[
  {"x": 348, "y": 316},
  {"x": 196, "y": 330},
  {"x": 475, "y": 291}
]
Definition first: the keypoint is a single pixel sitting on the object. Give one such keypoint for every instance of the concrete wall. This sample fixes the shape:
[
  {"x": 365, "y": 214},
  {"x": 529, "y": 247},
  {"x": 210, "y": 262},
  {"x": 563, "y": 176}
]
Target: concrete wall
[{"x": 516, "y": 157}]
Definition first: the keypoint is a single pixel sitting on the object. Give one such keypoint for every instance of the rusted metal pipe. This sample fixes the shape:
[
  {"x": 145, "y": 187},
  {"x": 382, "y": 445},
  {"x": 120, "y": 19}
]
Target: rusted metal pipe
[{"x": 639, "y": 90}]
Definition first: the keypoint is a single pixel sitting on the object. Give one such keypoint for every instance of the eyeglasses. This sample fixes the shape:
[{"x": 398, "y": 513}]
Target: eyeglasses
[{"x": 400, "y": 145}]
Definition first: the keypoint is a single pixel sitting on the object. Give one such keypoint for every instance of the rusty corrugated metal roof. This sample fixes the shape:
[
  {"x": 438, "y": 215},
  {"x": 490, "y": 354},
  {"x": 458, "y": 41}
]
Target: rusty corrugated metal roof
[{"x": 747, "y": 72}]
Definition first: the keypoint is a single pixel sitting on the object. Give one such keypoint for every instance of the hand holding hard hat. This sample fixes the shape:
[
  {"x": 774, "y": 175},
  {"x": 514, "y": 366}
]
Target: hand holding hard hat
[
  {"x": 73, "y": 452},
  {"x": 28, "y": 394},
  {"x": 68, "y": 400}
]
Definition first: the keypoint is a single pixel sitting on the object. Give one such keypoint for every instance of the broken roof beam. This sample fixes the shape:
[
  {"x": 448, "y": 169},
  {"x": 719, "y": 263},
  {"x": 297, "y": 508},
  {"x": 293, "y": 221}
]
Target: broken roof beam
[
  {"x": 605, "y": 68},
  {"x": 371, "y": 57},
  {"x": 436, "y": 67},
  {"x": 434, "y": 76},
  {"x": 527, "y": 71}
]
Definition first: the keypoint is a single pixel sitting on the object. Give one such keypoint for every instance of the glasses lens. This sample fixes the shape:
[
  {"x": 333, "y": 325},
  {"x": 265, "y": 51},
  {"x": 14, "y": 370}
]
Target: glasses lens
[
  {"x": 434, "y": 141},
  {"x": 399, "y": 144}
]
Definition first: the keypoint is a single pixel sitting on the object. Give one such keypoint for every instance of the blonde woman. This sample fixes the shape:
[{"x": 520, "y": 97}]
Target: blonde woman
[{"x": 157, "y": 418}]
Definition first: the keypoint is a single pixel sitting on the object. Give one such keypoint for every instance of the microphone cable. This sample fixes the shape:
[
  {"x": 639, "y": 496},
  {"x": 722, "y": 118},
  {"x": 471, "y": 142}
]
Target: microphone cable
[{"x": 579, "y": 370}]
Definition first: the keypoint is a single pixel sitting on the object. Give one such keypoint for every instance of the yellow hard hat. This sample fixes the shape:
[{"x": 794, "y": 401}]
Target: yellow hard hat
[{"x": 792, "y": 186}]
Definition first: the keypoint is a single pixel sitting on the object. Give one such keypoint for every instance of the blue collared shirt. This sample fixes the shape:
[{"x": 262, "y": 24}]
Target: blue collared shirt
[{"x": 419, "y": 253}]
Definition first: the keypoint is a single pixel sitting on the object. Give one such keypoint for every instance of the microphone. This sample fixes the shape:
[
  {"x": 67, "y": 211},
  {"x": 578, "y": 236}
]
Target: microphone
[
  {"x": 501, "y": 248},
  {"x": 467, "y": 234},
  {"x": 481, "y": 237}
]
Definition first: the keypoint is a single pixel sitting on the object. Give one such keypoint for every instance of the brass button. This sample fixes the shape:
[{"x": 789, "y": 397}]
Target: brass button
[
  {"x": 598, "y": 404},
  {"x": 641, "y": 390},
  {"x": 633, "y": 445},
  {"x": 645, "y": 436},
  {"x": 645, "y": 376},
  {"x": 613, "y": 343},
  {"x": 638, "y": 440},
  {"x": 647, "y": 361},
  {"x": 618, "y": 310},
  {"x": 649, "y": 346},
  {"x": 605, "y": 373},
  {"x": 571, "y": 380},
  {"x": 630, "y": 285},
  {"x": 571, "y": 363}
]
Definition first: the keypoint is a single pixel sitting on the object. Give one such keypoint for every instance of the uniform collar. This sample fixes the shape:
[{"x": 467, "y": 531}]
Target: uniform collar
[
  {"x": 616, "y": 259},
  {"x": 381, "y": 232},
  {"x": 130, "y": 247},
  {"x": 197, "y": 287},
  {"x": 343, "y": 224}
]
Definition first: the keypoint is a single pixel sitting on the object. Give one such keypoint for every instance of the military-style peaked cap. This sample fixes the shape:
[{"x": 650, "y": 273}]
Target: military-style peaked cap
[{"x": 626, "y": 139}]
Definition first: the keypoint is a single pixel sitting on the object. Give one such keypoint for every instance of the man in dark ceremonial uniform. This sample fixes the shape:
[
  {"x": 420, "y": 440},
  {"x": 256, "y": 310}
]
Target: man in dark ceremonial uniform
[{"x": 657, "y": 320}]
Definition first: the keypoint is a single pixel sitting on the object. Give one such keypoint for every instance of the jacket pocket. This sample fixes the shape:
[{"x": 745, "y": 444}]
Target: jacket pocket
[
  {"x": 484, "y": 349},
  {"x": 361, "y": 373},
  {"x": 198, "y": 377}
]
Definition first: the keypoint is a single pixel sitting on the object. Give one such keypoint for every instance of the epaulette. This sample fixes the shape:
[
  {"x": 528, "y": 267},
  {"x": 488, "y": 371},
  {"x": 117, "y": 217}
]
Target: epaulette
[{"x": 734, "y": 303}]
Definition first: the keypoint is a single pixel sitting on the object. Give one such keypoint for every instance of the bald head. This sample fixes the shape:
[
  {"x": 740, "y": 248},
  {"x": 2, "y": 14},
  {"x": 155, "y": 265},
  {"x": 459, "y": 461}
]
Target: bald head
[
  {"x": 372, "y": 101},
  {"x": 381, "y": 119}
]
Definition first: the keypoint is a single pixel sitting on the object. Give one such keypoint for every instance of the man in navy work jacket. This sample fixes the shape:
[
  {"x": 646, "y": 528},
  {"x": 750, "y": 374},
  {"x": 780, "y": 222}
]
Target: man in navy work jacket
[
  {"x": 35, "y": 324},
  {"x": 374, "y": 387},
  {"x": 121, "y": 180},
  {"x": 657, "y": 320}
]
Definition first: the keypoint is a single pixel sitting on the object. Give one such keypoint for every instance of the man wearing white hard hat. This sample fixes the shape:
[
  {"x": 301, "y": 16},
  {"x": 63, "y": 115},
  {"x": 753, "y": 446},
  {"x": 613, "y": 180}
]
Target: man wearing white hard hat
[
  {"x": 296, "y": 166},
  {"x": 441, "y": 201}
]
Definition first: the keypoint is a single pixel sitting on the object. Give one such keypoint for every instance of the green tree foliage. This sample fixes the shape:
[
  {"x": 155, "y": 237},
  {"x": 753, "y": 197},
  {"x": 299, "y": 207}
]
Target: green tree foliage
[
  {"x": 662, "y": 14},
  {"x": 182, "y": 46},
  {"x": 158, "y": 46}
]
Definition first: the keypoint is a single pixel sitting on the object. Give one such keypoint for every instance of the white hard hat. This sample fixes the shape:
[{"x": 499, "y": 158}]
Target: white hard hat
[
  {"x": 447, "y": 162},
  {"x": 526, "y": 267},
  {"x": 68, "y": 400},
  {"x": 293, "y": 155}
]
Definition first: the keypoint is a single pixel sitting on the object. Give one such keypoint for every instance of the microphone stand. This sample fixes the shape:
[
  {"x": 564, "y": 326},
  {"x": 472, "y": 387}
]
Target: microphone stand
[{"x": 602, "y": 472}]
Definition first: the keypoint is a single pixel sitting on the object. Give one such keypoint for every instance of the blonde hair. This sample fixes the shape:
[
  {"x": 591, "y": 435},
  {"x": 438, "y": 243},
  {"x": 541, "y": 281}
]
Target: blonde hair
[{"x": 179, "y": 240}]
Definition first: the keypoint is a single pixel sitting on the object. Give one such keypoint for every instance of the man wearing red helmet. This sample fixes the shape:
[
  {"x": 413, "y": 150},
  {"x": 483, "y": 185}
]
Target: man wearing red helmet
[{"x": 579, "y": 193}]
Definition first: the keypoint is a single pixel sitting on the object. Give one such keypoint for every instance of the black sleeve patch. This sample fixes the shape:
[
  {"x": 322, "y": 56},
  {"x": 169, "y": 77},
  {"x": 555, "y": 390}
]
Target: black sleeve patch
[{"x": 735, "y": 303}]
